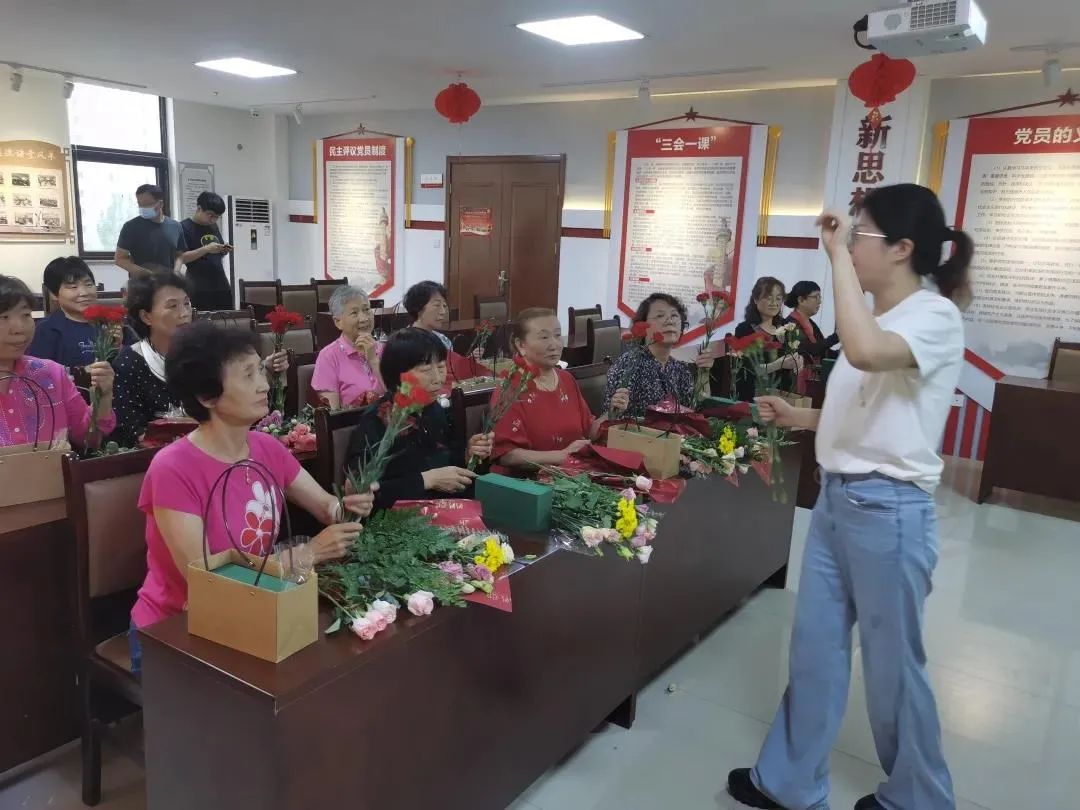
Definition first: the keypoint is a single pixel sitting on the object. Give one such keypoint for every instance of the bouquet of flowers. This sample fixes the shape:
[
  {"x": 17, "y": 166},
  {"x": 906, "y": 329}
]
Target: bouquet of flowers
[
  {"x": 297, "y": 433},
  {"x": 752, "y": 355},
  {"x": 281, "y": 321},
  {"x": 106, "y": 321},
  {"x": 640, "y": 336},
  {"x": 729, "y": 449},
  {"x": 585, "y": 511},
  {"x": 512, "y": 383},
  {"x": 396, "y": 413},
  {"x": 402, "y": 561},
  {"x": 789, "y": 337},
  {"x": 715, "y": 303}
]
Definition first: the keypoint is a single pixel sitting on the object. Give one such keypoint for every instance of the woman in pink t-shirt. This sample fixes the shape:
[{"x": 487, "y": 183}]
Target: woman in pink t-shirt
[
  {"x": 52, "y": 408},
  {"x": 347, "y": 370},
  {"x": 219, "y": 378}
]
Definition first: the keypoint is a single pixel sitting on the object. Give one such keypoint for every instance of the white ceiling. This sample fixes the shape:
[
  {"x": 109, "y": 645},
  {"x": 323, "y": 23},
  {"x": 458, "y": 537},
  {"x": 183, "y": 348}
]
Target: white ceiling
[{"x": 404, "y": 51}]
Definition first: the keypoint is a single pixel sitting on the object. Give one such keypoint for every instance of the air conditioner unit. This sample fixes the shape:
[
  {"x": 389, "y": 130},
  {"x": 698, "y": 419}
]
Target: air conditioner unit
[
  {"x": 925, "y": 28},
  {"x": 251, "y": 233}
]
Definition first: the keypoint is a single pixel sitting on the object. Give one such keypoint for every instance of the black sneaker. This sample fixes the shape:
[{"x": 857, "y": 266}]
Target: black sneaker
[
  {"x": 869, "y": 803},
  {"x": 741, "y": 788}
]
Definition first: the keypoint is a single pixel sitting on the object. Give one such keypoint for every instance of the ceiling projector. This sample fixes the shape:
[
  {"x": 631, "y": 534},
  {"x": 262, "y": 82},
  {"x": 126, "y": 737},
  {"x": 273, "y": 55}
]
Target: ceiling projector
[{"x": 926, "y": 28}]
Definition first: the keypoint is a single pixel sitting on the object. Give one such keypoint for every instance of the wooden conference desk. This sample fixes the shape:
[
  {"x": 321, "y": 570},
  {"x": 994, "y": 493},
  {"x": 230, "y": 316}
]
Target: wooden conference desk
[
  {"x": 464, "y": 708},
  {"x": 38, "y": 701},
  {"x": 1034, "y": 441}
]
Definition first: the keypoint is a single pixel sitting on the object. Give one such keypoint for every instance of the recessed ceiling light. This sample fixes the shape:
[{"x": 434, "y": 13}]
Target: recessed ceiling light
[
  {"x": 247, "y": 68},
  {"x": 586, "y": 30}
]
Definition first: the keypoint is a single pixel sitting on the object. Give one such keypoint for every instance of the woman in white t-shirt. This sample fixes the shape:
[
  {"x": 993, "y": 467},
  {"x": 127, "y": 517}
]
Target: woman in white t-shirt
[{"x": 872, "y": 545}]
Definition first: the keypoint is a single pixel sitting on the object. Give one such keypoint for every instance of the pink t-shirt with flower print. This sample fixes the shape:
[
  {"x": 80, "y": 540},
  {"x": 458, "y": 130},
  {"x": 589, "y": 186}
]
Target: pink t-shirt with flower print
[{"x": 180, "y": 478}]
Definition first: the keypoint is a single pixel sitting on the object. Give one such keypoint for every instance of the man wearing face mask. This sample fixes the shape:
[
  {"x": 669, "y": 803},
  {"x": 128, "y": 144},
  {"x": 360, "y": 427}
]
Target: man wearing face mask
[{"x": 151, "y": 241}]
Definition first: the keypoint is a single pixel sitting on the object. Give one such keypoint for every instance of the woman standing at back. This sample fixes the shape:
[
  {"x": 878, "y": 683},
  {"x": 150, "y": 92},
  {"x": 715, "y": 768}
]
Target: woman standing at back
[{"x": 872, "y": 545}]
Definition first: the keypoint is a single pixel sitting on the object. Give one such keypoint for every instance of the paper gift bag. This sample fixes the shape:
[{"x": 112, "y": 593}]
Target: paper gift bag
[
  {"x": 795, "y": 399},
  {"x": 659, "y": 449},
  {"x": 30, "y": 473},
  {"x": 271, "y": 620}
]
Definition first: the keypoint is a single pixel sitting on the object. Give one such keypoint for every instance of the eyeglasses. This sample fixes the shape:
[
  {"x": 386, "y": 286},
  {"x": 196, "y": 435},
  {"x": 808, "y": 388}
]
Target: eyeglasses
[
  {"x": 661, "y": 318},
  {"x": 853, "y": 233}
]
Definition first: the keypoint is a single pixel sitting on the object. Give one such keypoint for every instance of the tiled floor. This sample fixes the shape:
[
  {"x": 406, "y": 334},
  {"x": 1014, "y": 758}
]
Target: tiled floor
[{"x": 1003, "y": 639}]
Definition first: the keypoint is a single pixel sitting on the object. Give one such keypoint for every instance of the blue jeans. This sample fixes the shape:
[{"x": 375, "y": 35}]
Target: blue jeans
[
  {"x": 871, "y": 550},
  {"x": 136, "y": 650}
]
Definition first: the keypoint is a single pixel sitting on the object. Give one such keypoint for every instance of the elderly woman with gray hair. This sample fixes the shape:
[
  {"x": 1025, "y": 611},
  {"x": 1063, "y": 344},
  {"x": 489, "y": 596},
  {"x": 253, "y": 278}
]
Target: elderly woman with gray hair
[{"x": 347, "y": 371}]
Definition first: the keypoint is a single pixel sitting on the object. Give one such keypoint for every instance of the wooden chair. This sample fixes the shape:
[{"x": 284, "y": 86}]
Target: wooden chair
[
  {"x": 110, "y": 564},
  {"x": 377, "y": 303},
  {"x": 577, "y": 318},
  {"x": 603, "y": 339},
  {"x": 467, "y": 411},
  {"x": 332, "y": 432},
  {"x": 261, "y": 296},
  {"x": 326, "y": 331},
  {"x": 230, "y": 318},
  {"x": 301, "y": 341},
  {"x": 491, "y": 308},
  {"x": 324, "y": 289},
  {"x": 592, "y": 380},
  {"x": 302, "y": 298},
  {"x": 1064, "y": 362},
  {"x": 298, "y": 392}
]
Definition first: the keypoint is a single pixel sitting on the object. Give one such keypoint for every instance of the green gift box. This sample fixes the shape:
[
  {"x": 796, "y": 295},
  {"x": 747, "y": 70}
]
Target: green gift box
[{"x": 513, "y": 503}]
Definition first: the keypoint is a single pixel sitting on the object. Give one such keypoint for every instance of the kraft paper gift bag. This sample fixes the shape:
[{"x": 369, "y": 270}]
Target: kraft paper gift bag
[
  {"x": 660, "y": 449},
  {"x": 247, "y": 602},
  {"x": 271, "y": 620},
  {"x": 32, "y": 472}
]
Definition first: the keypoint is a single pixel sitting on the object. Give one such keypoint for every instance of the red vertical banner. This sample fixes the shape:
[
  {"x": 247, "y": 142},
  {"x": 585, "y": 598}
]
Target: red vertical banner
[
  {"x": 359, "y": 197},
  {"x": 683, "y": 213},
  {"x": 1019, "y": 194}
]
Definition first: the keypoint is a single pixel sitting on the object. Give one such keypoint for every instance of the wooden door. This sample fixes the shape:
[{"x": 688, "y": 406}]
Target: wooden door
[{"x": 504, "y": 223}]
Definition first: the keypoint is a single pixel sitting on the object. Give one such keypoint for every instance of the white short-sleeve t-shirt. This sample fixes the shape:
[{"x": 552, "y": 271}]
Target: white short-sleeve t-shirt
[{"x": 891, "y": 422}]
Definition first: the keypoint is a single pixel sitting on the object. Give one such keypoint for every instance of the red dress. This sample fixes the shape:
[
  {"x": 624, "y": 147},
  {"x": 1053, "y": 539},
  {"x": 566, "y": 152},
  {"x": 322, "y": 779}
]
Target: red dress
[{"x": 544, "y": 420}]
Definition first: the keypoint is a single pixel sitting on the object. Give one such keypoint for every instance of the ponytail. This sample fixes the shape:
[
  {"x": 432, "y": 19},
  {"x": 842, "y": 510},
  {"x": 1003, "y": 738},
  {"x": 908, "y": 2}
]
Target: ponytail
[{"x": 952, "y": 275}]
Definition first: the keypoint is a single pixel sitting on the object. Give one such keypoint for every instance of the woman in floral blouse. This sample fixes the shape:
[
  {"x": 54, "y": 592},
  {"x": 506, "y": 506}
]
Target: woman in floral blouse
[{"x": 651, "y": 374}]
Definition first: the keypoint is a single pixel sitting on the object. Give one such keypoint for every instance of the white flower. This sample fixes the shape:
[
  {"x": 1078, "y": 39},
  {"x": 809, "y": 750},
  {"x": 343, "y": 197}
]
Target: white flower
[
  {"x": 740, "y": 452},
  {"x": 262, "y": 502},
  {"x": 643, "y": 483},
  {"x": 444, "y": 401},
  {"x": 711, "y": 452},
  {"x": 507, "y": 554},
  {"x": 643, "y": 554}
]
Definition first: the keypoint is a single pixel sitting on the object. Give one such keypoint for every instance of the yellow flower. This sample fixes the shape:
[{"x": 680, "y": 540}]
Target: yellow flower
[
  {"x": 627, "y": 523},
  {"x": 726, "y": 445}
]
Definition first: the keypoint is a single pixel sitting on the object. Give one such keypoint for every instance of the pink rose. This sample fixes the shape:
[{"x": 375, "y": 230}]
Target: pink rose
[
  {"x": 386, "y": 609},
  {"x": 378, "y": 619},
  {"x": 751, "y": 433},
  {"x": 302, "y": 429},
  {"x": 638, "y": 540},
  {"x": 643, "y": 554},
  {"x": 479, "y": 573},
  {"x": 592, "y": 536},
  {"x": 453, "y": 570},
  {"x": 628, "y": 494},
  {"x": 306, "y": 443},
  {"x": 643, "y": 483},
  {"x": 421, "y": 603},
  {"x": 364, "y": 628}
]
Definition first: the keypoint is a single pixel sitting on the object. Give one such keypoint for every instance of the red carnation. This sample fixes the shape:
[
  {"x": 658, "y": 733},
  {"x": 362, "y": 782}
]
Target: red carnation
[
  {"x": 703, "y": 297},
  {"x": 721, "y": 296},
  {"x": 282, "y": 320},
  {"x": 401, "y": 400},
  {"x": 103, "y": 314},
  {"x": 520, "y": 361},
  {"x": 640, "y": 329},
  {"x": 657, "y": 337},
  {"x": 772, "y": 345},
  {"x": 421, "y": 396},
  {"x": 737, "y": 344}
]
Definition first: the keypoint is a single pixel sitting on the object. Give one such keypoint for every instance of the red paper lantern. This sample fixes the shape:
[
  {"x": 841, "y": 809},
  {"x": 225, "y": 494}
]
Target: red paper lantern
[
  {"x": 457, "y": 103},
  {"x": 880, "y": 81}
]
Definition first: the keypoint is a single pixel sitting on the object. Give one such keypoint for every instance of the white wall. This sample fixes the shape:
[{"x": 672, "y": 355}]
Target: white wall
[
  {"x": 579, "y": 129},
  {"x": 201, "y": 134},
  {"x": 35, "y": 113}
]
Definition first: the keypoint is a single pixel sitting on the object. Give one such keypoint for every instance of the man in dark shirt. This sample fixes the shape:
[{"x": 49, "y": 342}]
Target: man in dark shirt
[
  {"x": 151, "y": 241},
  {"x": 210, "y": 286}
]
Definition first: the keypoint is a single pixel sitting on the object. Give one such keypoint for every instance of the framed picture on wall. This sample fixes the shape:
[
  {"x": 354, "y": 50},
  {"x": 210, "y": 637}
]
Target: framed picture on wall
[{"x": 34, "y": 201}]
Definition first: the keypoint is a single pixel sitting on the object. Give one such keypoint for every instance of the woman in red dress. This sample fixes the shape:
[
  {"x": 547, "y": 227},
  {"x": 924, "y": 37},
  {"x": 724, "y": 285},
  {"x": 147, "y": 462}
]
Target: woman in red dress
[{"x": 551, "y": 420}]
